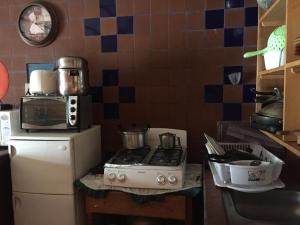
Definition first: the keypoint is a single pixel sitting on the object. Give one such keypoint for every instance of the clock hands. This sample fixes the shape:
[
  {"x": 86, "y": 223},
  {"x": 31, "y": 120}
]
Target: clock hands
[{"x": 41, "y": 27}]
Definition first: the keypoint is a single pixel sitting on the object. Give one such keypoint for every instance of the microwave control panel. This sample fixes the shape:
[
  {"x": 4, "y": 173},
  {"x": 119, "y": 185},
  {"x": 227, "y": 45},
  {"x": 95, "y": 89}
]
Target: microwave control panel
[{"x": 72, "y": 110}]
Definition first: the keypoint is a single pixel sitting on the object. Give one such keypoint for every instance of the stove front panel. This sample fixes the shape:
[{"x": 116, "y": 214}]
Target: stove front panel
[{"x": 147, "y": 177}]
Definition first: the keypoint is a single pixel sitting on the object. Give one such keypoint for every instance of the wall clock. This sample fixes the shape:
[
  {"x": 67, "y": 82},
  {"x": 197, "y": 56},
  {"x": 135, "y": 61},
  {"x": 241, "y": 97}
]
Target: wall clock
[{"x": 37, "y": 24}]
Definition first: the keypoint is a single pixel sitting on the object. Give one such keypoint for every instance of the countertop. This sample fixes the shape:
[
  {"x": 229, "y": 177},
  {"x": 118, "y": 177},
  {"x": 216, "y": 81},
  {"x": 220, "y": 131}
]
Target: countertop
[{"x": 50, "y": 135}]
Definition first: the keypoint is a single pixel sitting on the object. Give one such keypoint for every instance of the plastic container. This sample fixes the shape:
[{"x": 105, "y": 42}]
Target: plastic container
[
  {"x": 274, "y": 59},
  {"x": 265, "y": 173}
]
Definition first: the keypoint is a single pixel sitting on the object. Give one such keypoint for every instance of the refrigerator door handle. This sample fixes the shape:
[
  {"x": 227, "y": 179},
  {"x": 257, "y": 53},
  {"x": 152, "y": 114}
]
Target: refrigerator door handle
[
  {"x": 17, "y": 203},
  {"x": 12, "y": 151},
  {"x": 62, "y": 148}
]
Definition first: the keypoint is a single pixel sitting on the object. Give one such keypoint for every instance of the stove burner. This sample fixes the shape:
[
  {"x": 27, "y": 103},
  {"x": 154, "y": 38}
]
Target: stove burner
[
  {"x": 166, "y": 157},
  {"x": 130, "y": 156}
]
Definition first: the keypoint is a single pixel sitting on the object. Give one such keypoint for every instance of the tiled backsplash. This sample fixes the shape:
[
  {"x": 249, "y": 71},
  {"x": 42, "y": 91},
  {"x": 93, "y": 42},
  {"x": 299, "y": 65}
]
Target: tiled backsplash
[{"x": 167, "y": 63}]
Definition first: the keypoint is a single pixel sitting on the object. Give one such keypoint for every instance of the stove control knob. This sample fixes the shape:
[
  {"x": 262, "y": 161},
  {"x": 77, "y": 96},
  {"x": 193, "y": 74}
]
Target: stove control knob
[
  {"x": 121, "y": 177},
  {"x": 172, "y": 180},
  {"x": 111, "y": 176},
  {"x": 161, "y": 180}
]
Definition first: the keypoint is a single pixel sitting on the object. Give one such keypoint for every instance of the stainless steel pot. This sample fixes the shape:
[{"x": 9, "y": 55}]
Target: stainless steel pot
[
  {"x": 72, "y": 76},
  {"x": 134, "y": 138},
  {"x": 72, "y": 81},
  {"x": 168, "y": 140}
]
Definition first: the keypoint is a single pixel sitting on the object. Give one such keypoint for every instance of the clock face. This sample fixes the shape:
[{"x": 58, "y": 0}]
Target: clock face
[{"x": 37, "y": 25}]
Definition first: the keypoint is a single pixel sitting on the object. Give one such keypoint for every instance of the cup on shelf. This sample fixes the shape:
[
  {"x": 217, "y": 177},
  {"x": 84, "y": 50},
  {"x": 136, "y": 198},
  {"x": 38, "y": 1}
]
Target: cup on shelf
[
  {"x": 274, "y": 59},
  {"x": 264, "y": 4}
]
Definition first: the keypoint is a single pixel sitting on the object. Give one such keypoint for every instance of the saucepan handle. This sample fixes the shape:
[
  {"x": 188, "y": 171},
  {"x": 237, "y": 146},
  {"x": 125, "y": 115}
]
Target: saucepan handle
[{"x": 178, "y": 142}]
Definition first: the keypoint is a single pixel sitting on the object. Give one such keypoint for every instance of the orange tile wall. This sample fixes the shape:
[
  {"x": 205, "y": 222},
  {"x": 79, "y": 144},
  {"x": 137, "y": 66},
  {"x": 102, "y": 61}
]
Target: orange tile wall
[{"x": 169, "y": 59}]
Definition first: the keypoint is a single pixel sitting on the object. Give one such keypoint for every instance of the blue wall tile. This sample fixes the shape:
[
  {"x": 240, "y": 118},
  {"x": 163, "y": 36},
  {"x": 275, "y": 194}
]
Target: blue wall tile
[
  {"x": 125, "y": 25},
  {"x": 214, "y": 19},
  {"x": 92, "y": 26},
  {"x": 126, "y": 94},
  {"x": 232, "y": 69},
  {"x": 232, "y": 111},
  {"x": 251, "y": 16},
  {"x": 107, "y": 8},
  {"x": 213, "y": 93},
  {"x": 110, "y": 77},
  {"x": 233, "y": 3},
  {"x": 111, "y": 110},
  {"x": 96, "y": 93},
  {"x": 248, "y": 95},
  {"x": 109, "y": 43},
  {"x": 107, "y": 2},
  {"x": 233, "y": 37}
]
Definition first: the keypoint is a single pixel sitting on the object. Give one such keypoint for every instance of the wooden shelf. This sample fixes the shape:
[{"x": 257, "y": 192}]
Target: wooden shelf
[
  {"x": 293, "y": 64},
  {"x": 291, "y": 145},
  {"x": 275, "y": 15},
  {"x": 271, "y": 77},
  {"x": 278, "y": 71},
  {"x": 287, "y": 77}
]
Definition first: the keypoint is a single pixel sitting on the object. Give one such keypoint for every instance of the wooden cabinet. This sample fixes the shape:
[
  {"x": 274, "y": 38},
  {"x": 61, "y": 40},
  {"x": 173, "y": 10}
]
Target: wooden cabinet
[{"x": 286, "y": 77}]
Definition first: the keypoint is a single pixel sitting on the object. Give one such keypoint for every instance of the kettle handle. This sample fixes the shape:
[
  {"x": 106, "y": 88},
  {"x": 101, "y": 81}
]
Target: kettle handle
[{"x": 179, "y": 142}]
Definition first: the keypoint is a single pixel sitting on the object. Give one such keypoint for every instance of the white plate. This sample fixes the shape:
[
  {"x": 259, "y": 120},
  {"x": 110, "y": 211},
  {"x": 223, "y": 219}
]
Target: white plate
[{"x": 244, "y": 188}]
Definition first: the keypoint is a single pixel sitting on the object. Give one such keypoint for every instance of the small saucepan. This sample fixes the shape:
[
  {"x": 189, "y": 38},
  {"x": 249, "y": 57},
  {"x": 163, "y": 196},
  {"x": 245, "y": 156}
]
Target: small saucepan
[
  {"x": 133, "y": 138},
  {"x": 168, "y": 141}
]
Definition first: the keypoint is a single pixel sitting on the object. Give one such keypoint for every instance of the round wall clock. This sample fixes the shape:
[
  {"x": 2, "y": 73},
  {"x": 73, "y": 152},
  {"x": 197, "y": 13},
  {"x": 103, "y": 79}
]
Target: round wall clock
[{"x": 37, "y": 24}]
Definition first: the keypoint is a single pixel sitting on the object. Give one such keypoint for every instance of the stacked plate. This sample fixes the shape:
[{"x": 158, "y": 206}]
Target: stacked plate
[{"x": 214, "y": 146}]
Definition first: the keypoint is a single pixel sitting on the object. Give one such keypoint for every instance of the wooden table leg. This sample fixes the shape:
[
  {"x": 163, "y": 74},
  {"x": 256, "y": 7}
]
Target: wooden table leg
[
  {"x": 90, "y": 219},
  {"x": 188, "y": 211}
]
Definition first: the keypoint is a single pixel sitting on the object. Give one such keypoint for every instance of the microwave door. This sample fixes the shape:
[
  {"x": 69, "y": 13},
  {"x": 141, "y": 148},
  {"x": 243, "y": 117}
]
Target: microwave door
[{"x": 44, "y": 113}]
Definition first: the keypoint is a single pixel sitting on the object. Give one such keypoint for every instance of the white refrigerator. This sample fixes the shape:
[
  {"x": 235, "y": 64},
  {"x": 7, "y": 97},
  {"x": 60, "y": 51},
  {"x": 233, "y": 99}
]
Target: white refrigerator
[{"x": 44, "y": 167}]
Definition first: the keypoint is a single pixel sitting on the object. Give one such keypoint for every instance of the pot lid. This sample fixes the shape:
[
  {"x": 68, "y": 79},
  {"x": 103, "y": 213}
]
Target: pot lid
[
  {"x": 71, "y": 62},
  {"x": 134, "y": 130},
  {"x": 272, "y": 110},
  {"x": 4, "y": 81},
  {"x": 167, "y": 134}
]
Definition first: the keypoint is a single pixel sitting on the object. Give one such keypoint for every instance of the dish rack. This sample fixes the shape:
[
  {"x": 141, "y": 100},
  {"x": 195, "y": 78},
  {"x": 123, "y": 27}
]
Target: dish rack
[{"x": 263, "y": 176}]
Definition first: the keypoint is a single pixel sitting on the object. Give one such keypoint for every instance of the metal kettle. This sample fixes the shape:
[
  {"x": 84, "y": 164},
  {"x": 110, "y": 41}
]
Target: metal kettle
[
  {"x": 168, "y": 141},
  {"x": 272, "y": 103}
]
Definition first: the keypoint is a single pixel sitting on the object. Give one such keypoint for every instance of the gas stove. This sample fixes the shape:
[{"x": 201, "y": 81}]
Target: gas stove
[{"x": 146, "y": 167}]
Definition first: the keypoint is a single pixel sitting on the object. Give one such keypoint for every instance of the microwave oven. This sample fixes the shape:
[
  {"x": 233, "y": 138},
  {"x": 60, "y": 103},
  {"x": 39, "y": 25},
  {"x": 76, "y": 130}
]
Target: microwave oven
[
  {"x": 9, "y": 125},
  {"x": 56, "y": 112}
]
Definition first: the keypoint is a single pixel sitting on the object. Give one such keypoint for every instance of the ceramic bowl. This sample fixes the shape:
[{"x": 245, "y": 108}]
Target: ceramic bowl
[{"x": 264, "y": 4}]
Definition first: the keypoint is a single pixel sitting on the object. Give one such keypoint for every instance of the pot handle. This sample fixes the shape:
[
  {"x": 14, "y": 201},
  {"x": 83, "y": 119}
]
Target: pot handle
[
  {"x": 147, "y": 127},
  {"x": 178, "y": 142}
]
